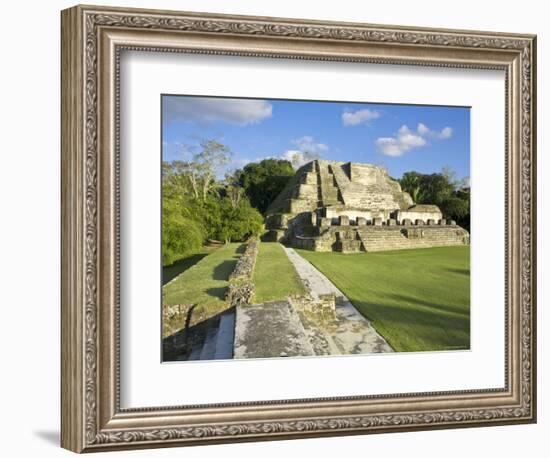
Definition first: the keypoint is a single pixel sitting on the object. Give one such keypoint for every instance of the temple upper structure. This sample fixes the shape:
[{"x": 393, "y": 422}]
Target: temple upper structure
[{"x": 351, "y": 207}]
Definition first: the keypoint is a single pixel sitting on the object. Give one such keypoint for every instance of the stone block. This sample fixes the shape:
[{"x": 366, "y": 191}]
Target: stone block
[
  {"x": 452, "y": 222},
  {"x": 274, "y": 235},
  {"x": 442, "y": 222},
  {"x": 361, "y": 221},
  {"x": 431, "y": 222},
  {"x": 419, "y": 222},
  {"x": 348, "y": 246},
  {"x": 313, "y": 218},
  {"x": 406, "y": 222},
  {"x": 309, "y": 178},
  {"x": 343, "y": 220},
  {"x": 392, "y": 222},
  {"x": 325, "y": 222},
  {"x": 377, "y": 221},
  {"x": 345, "y": 235},
  {"x": 414, "y": 233}
]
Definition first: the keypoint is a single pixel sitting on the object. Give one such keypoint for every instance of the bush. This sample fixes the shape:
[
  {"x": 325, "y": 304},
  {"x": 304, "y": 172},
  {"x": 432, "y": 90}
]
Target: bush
[
  {"x": 263, "y": 181},
  {"x": 181, "y": 236},
  {"x": 239, "y": 222}
]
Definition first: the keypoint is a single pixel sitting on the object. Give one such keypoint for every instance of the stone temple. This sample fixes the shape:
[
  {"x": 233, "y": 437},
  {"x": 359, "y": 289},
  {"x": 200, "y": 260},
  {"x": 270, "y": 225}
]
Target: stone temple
[{"x": 351, "y": 207}]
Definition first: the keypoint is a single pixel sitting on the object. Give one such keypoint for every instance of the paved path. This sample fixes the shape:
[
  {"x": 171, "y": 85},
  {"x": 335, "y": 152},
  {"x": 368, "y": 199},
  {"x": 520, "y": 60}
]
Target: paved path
[
  {"x": 271, "y": 329},
  {"x": 347, "y": 332}
]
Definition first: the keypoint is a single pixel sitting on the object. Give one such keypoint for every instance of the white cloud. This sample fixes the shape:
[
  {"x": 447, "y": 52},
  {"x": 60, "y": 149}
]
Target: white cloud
[
  {"x": 354, "y": 118},
  {"x": 422, "y": 129},
  {"x": 298, "y": 158},
  {"x": 307, "y": 151},
  {"x": 241, "y": 162},
  {"x": 205, "y": 110},
  {"x": 405, "y": 139},
  {"x": 445, "y": 133},
  {"x": 307, "y": 143}
]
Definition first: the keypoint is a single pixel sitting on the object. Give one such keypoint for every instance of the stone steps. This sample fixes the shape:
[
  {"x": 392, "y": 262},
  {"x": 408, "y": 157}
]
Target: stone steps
[
  {"x": 217, "y": 342},
  {"x": 209, "y": 346},
  {"x": 195, "y": 353},
  {"x": 225, "y": 336},
  {"x": 271, "y": 329},
  {"x": 384, "y": 239},
  {"x": 328, "y": 191}
]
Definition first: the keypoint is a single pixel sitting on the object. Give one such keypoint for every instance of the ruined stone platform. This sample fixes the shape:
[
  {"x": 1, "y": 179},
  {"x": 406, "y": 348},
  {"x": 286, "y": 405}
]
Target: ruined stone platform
[
  {"x": 351, "y": 207},
  {"x": 323, "y": 322},
  {"x": 340, "y": 330},
  {"x": 271, "y": 329}
]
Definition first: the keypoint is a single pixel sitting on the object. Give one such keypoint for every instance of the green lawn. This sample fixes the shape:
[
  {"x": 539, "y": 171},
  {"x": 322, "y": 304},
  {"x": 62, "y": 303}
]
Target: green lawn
[
  {"x": 417, "y": 299},
  {"x": 274, "y": 276},
  {"x": 205, "y": 283},
  {"x": 173, "y": 270}
]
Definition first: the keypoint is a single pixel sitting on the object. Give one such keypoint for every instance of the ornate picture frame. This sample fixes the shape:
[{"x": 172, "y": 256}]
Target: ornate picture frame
[{"x": 92, "y": 41}]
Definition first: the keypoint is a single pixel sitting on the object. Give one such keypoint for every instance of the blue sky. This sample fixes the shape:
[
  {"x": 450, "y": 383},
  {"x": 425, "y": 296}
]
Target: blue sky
[{"x": 399, "y": 137}]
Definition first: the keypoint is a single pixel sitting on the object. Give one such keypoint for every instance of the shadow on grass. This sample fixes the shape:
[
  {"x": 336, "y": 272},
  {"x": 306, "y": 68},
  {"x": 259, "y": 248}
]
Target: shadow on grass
[
  {"x": 459, "y": 271},
  {"x": 217, "y": 292},
  {"x": 172, "y": 271},
  {"x": 418, "y": 325},
  {"x": 437, "y": 308},
  {"x": 223, "y": 270}
]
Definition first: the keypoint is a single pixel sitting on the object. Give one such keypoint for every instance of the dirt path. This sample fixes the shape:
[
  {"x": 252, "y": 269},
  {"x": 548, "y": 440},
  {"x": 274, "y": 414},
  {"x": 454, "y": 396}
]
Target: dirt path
[{"x": 347, "y": 332}]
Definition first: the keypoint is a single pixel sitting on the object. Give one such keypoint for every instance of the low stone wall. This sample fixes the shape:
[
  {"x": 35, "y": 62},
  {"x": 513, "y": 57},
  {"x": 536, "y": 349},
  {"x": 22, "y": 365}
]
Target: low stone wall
[
  {"x": 241, "y": 288},
  {"x": 353, "y": 239}
]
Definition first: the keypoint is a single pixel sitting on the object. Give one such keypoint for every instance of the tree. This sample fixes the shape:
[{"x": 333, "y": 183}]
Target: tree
[
  {"x": 181, "y": 236},
  {"x": 239, "y": 222},
  {"x": 435, "y": 188},
  {"x": 411, "y": 183},
  {"x": 442, "y": 189},
  {"x": 203, "y": 167},
  {"x": 263, "y": 181}
]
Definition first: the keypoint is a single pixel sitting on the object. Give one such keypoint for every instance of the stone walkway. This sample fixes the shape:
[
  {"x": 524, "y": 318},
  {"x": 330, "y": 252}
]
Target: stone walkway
[
  {"x": 271, "y": 329},
  {"x": 344, "y": 332}
]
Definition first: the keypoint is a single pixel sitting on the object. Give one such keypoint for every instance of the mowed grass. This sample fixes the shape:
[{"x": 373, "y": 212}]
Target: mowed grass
[
  {"x": 418, "y": 300},
  {"x": 181, "y": 265},
  {"x": 205, "y": 283},
  {"x": 274, "y": 275}
]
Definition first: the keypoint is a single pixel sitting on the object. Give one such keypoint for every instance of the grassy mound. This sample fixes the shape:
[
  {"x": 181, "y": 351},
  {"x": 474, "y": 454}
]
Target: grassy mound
[
  {"x": 205, "y": 284},
  {"x": 417, "y": 300},
  {"x": 274, "y": 275}
]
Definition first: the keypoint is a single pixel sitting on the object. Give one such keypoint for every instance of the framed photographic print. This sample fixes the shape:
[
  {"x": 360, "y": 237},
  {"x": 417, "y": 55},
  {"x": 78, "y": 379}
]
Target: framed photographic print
[{"x": 278, "y": 228}]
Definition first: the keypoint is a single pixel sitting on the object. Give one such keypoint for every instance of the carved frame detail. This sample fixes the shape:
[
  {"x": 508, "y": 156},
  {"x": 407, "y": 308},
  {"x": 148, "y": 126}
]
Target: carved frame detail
[{"x": 91, "y": 415}]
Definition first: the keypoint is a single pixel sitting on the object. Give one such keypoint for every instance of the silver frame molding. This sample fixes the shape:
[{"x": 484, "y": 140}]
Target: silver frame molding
[{"x": 92, "y": 40}]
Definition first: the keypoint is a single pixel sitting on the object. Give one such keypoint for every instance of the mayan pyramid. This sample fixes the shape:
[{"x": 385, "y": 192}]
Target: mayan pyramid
[{"x": 351, "y": 207}]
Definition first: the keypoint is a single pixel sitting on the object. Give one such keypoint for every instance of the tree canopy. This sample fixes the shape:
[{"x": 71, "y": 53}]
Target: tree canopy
[
  {"x": 441, "y": 189},
  {"x": 197, "y": 206},
  {"x": 263, "y": 181}
]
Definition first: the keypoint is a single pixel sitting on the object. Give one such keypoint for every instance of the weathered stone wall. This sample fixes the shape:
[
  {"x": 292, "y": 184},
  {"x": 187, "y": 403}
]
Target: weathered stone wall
[
  {"x": 353, "y": 239},
  {"x": 419, "y": 212},
  {"x": 324, "y": 194},
  {"x": 369, "y": 187},
  {"x": 241, "y": 288},
  {"x": 366, "y": 174},
  {"x": 352, "y": 213}
]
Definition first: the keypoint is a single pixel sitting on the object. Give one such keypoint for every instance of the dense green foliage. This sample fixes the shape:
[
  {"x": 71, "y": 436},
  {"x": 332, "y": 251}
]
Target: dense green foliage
[
  {"x": 441, "y": 189},
  {"x": 274, "y": 275},
  {"x": 198, "y": 207},
  {"x": 263, "y": 181},
  {"x": 418, "y": 300},
  {"x": 238, "y": 222},
  {"x": 181, "y": 236}
]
